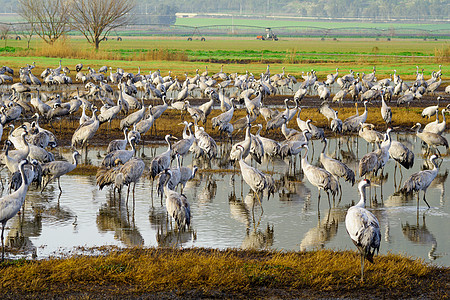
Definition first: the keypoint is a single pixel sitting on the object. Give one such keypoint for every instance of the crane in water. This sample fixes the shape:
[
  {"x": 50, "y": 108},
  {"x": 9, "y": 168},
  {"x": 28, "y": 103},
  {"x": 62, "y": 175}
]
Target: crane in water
[
  {"x": 11, "y": 204},
  {"x": 421, "y": 180},
  {"x": 363, "y": 227}
]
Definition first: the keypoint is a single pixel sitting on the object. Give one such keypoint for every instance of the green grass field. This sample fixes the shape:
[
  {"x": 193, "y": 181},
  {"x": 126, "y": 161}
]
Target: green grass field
[
  {"x": 198, "y": 22},
  {"x": 298, "y": 55}
]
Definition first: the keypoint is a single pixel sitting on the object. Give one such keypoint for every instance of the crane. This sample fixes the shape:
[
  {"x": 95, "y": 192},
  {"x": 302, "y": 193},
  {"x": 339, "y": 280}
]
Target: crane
[
  {"x": 55, "y": 169},
  {"x": 421, "y": 180},
  {"x": 11, "y": 204},
  {"x": 363, "y": 227},
  {"x": 177, "y": 205},
  {"x": 320, "y": 178}
]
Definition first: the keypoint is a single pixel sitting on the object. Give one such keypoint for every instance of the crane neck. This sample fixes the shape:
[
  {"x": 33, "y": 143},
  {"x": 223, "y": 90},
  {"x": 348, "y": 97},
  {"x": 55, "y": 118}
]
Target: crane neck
[
  {"x": 362, "y": 199},
  {"x": 22, "y": 174},
  {"x": 75, "y": 159},
  {"x": 324, "y": 146}
]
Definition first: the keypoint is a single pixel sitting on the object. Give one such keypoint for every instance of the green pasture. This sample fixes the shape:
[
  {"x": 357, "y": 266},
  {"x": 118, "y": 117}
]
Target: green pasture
[
  {"x": 240, "y": 55},
  {"x": 198, "y": 22},
  {"x": 240, "y": 48}
]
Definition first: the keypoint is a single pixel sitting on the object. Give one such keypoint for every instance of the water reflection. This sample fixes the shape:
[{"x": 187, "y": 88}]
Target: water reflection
[
  {"x": 115, "y": 216},
  {"x": 326, "y": 229},
  {"x": 420, "y": 234},
  {"x": 225, "y": 213}
]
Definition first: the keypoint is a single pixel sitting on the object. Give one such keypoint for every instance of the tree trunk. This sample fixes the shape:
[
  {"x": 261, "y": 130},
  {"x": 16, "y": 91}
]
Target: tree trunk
[{"x": 97, "y": 43}]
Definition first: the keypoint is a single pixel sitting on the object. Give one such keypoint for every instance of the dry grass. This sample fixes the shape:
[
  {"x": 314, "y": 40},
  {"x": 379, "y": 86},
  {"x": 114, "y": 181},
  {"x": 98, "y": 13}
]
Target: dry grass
[
  {"x": 64, "y": 48},
  {"x": 149, "y": 271},
  {"x": 442, "y": 55}
]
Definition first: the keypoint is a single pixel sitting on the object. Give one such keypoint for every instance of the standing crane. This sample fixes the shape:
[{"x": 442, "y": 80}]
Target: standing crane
[
  {"x": 55, "y": 169},
  {"x": 430, "y": 138},
  {"x": 386, "y": 112},
  {"x": 177, "y": 205},
  {"x": 421, "y": 181},
  {"x": 256, "y": 179},
  {"x": 320, "y": 178},
  {"x": 11, "y": 204},
  {"x": 363, "y": 227},
  {"x": 85, "y": 131},
  {"x": 162, "y": 161},
  {"x": 336, "y": 168}
]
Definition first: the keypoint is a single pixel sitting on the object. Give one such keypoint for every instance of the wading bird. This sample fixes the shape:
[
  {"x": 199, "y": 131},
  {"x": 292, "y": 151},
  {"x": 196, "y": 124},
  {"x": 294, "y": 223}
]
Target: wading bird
[
  {"x": 363, "y": 227},
  {"x": 11, "y": 204}
]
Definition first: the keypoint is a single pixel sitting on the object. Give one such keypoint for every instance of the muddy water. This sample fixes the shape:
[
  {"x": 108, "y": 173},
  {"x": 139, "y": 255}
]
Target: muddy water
[{"x": 226, "y": 215}]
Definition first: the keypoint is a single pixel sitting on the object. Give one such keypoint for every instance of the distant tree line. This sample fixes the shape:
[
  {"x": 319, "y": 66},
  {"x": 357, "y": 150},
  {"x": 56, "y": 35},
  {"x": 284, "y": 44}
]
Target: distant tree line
[{"x": 158, "y": 12}]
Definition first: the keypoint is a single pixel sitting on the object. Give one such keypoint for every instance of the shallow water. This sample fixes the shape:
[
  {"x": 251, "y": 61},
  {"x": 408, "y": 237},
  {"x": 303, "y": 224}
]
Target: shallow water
[{"x": 225, "y": 214}]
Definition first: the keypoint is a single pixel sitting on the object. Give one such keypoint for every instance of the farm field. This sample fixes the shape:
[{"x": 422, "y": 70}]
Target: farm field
[
  {"x": 263, "y": 23},
  {"x": 239, "y": 55}
]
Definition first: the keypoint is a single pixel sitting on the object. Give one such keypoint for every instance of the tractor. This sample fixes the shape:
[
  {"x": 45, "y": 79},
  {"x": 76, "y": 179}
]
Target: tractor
[{"x": 269, "y": 35}]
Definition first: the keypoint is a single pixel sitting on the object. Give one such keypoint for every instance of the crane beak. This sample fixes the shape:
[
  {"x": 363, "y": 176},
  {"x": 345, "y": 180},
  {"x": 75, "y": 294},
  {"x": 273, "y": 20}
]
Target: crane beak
[{"x": 374, "y": 184}]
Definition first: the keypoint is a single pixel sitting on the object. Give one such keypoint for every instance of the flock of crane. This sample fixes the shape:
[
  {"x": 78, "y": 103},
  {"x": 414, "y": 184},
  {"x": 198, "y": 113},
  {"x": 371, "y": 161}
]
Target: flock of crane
[{"x": 30, "y": 161}]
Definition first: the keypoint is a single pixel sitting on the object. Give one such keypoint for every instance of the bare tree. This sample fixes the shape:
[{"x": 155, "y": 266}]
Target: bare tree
[
  {"x": 4, "y": 30},
  {"x": 51, "y": 17},
  {"x": 96, "y": 18},
  {"x": 28, "y": 30}
]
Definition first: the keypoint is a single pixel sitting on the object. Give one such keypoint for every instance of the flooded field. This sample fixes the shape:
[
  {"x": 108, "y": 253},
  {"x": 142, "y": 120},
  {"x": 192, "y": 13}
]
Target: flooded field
[{"x": 225, "y": 213}]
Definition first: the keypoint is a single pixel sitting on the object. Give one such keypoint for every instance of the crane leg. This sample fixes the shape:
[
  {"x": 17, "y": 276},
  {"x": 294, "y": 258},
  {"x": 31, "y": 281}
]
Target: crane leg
[
  {"x": 59, "y": 186},
  {"x": 362, "y": 267},
  {"x": 259, "y": 200},
  {"x": 3, "y": 245},
  {"x": 424, "y": 192}
]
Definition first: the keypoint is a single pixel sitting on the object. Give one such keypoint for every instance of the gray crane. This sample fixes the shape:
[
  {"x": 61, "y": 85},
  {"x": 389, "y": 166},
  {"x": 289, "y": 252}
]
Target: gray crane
[
  {"x": 276, "y": 122},
  {"x": 205, "y": 141},
  {"x": 12, "y": 203},
  {"x": 363, "y": 227},
  {"x": 256, "y": 179},
  {"x": 144, "y": 125},
  {"x": 224, "y": 117},
  {"x": 354, "y": 123},
  {"x": 177, "y": 205},
  {"x": 271, "y": 147},
  {"x": 55, "y": 169},
  {"x": 133, "y": 118},
  {"x": 332, "y": 77},
  {"x": 421, "y": 180},
  {"x": 182, "y": 146},
  {"x": 373, "y": 161},
  {"x": 327, "y": 111},
  {"x": 33, "y": 173},
  {"x": 437, "y": 127},
  {"x": 430, "y": 138},
  {"x": 256, "y": 147},
  {"x": 236, "y": 152},
  {"x": 336, "y": 124},
  {"x": 386, "y": 112},
  {"x": 120, "y": 156},
  {"x": 111, "y": 113},
  {"x": 407, "y": 97},
  {"x": 336, "y": 168},
  {"x": 401, "y": 154},
  {"x": 119, "y": 144},
  {"x": 186, "y": 175},
  {"x": 85, "y": 131},
  {"x": 173, "y": 181},
  {"x": 320, "y": 178},
  {"x": 121, "y": 175},
  {"x": 431, "y": 110},
  {"x": 162, "y": 161}
]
